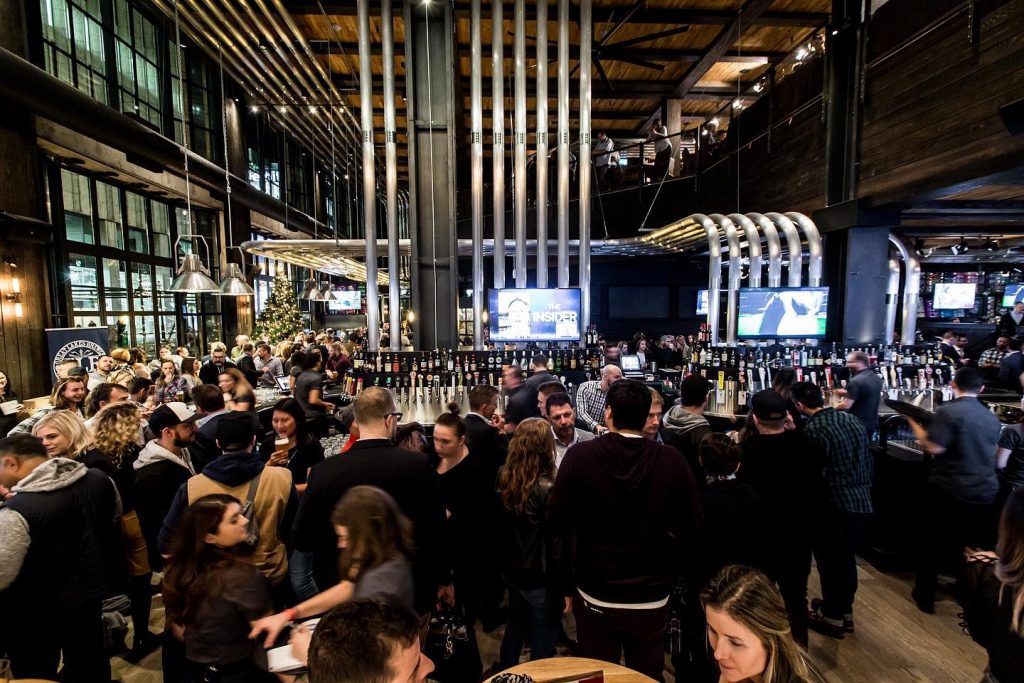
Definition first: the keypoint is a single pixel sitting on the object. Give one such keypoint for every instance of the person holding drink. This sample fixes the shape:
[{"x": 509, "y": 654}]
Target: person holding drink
[
  {"x": 292, "y": 445},
  {"x": 170, "y": 386}
]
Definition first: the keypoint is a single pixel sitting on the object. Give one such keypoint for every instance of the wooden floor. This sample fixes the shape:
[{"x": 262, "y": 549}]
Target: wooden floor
[{"x": 894, "y": 643}]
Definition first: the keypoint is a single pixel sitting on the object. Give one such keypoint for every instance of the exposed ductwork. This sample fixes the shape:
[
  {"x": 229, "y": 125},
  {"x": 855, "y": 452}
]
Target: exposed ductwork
[
  {"x": 814, "y": 251},
  {"x": 732, "y": 239},
  {"x": 753, "y": 247},
  {"x": 793, "y": 247},
  {"x": 714, "y": 270},
  {"x": 771, "y": 240}
]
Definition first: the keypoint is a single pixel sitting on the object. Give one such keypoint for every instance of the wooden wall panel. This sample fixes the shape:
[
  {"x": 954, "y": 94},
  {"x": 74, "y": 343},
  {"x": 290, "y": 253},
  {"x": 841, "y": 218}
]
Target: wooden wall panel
[{"x": 931, "y": 111}]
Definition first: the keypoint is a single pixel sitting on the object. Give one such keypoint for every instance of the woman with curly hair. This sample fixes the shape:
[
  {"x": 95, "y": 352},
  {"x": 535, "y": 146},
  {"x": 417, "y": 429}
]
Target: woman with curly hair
[
  {"x": 532, "y": 561},
  {"x": 63, "y": 434},
  {"x": 114, "y": 452},
  {"x": 170, "y": 384},
  {"x": 749, "y": 632},
  {"x": 212, "y": 594}
]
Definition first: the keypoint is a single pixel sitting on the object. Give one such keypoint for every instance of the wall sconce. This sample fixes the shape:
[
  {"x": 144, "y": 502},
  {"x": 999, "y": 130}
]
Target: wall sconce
[{"x": 14, "y": 296}]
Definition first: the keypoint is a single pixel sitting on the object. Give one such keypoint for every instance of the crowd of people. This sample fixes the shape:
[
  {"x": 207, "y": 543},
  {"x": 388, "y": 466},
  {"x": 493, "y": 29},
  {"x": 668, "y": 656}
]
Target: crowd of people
[{"x": 604, "y": 517}]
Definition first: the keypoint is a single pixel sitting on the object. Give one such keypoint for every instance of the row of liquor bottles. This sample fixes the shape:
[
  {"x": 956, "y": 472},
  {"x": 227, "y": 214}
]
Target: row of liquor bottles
[
  {"x": 810, "y": 357},
  {"x": 450, "y": 361},
  {"x": 440, "y": 386}
]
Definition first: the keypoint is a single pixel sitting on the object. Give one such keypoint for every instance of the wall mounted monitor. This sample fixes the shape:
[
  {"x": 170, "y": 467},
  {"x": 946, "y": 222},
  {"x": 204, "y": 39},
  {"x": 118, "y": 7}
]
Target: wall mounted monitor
[
  {"x": 345, "y": 300},
  {"x": 702, "y": 302},
  {"x": 519, "y": 315},
  {"x": 954, "y": 295},
  {"x": 782, "y": 312},
  {"x": 1012, "y": 294}
]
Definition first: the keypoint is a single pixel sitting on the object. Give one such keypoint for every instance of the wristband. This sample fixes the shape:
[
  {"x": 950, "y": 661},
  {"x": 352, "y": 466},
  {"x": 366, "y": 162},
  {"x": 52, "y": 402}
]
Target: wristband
[{"x": 291, "y": 613}]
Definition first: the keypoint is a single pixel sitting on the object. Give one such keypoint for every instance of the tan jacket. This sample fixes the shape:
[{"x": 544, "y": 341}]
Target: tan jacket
[{"x": 268, "y": 506}]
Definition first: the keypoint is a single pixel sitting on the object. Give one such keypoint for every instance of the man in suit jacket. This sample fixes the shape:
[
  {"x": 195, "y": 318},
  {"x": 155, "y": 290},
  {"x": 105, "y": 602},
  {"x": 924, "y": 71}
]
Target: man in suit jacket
[
  {"x": 482, "y": 434},
  {"x": 209, "y": 409},
  {"x": 1012, "y": 322},
  {"x": 247, "y": 364},
  {"x": 540, "y": 377},
  {"x": 949, "y": 350},
  {"x": 209, "y": 373},
  {"x": 373, "y": 461}
]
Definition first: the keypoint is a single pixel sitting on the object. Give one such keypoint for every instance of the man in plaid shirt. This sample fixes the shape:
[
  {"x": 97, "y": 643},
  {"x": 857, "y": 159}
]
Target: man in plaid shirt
[
  {"x": 592, "y": 396},
  {"x": 991, "y": 358},
  {"x": 848, "y": 472}
]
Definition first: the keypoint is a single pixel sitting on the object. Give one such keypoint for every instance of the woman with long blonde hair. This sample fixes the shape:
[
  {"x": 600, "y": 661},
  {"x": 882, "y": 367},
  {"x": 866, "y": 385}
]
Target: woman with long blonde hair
[
  {"x": 993, "y": 599},
  {"x": 63, "y": 434},
  {"x": 115, "y": 449},
  {"x": 532, "y": 562},
  {"x": 749, "y": 632}
]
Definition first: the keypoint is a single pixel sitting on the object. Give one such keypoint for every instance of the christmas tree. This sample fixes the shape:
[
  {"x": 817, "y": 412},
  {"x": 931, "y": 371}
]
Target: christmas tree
[{"x": 280, "y": 318}]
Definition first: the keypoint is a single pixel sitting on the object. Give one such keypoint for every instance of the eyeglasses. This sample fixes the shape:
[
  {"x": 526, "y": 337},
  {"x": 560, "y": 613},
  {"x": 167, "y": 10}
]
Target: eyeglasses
[{"x": 397, "y": 416}]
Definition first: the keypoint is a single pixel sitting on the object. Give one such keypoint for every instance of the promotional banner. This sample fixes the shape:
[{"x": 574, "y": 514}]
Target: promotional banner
[{"x": 82, "y": 344}]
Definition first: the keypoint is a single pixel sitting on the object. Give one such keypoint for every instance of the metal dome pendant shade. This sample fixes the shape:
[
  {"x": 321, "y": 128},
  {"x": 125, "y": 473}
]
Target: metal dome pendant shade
[
  {"x": 233, "y": 283},
  {"x": 193, "y": 277}
]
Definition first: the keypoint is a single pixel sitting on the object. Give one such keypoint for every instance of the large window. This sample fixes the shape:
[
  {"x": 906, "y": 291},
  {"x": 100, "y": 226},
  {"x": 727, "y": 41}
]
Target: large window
[
  {"x": 202, "y": 103},
  {"x": 264, "y": 155},
  {"x": 120, "y": 266},
  {"x": 138, "y": 62},
  {"x": 73, "y": 44}
]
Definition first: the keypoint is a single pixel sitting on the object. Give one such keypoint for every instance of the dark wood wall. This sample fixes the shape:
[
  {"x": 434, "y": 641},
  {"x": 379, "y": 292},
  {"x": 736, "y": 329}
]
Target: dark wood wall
[{"x": 931, "y": 109}]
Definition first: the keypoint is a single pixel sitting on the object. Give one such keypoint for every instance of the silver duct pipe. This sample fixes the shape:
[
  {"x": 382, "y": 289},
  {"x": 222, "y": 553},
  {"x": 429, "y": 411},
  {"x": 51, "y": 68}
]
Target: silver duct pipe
[
  {"x": 369, "y": 180},
  {"x": 771, "y": 239},
  {"x": 583, "y": 161},
  {"x": 476, "y": 172},
  {"x": 814, "y": 250},
  {"x": 542, "y": 143},
  {"x": 892, "y": 297},
  {"x": 732, "y": 239},
  {"x": 563, "y": 143},
  {"x": 753, "y": 247},
  {"x": 911, "y": 289},
  {"x": 519, "y": 142},
  {"x": 714, "y": 271},
  {"x": 498, "y": 150},
  {"x": 391, "y": 174},
  {"x": 793, "y": 246}
]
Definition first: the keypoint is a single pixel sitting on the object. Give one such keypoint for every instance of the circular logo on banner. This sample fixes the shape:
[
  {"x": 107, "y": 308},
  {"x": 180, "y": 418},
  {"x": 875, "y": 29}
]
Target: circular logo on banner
[{"x": 78, "y": 350}]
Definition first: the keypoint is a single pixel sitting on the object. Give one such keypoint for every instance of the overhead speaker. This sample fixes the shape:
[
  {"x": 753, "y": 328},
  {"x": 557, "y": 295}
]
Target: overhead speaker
[{"x": 1013, "y": 116}]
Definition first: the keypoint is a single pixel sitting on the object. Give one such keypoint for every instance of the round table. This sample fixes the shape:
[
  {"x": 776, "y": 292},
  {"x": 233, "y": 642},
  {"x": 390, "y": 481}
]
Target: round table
[{"x": 564, "y": 668}]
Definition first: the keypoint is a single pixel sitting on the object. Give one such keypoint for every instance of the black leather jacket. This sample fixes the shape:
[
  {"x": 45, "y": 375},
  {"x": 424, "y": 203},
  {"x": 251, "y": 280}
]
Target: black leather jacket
[{"x": 533, "y": 556}]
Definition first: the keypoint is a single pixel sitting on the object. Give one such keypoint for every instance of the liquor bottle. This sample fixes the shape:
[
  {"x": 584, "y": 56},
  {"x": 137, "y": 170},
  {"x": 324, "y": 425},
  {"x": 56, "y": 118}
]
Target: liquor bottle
[
  {"x": 451, "y": 361},
  {"x": 396, "y": 365},
  {"x": 572, "y": 360}
]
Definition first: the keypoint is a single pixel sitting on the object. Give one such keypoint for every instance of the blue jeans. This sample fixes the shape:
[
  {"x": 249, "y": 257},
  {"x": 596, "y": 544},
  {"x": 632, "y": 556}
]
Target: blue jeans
[{"x": 535, "y": 613}]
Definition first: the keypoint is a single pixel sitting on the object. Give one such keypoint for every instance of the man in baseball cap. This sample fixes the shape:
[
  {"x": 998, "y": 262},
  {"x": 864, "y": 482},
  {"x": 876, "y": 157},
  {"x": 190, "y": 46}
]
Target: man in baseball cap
[
  {"x": 768, "y": 406},
  {"x": 170, "y": 415}
]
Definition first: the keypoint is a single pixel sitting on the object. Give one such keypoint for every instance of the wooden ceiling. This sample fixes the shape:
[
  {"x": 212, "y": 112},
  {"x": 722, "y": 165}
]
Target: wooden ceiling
[{"x": 644, "y": 53}]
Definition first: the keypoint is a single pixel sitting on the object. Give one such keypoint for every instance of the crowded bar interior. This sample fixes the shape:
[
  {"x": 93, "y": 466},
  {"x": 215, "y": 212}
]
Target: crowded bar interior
[{"x": 361, "y": 341}]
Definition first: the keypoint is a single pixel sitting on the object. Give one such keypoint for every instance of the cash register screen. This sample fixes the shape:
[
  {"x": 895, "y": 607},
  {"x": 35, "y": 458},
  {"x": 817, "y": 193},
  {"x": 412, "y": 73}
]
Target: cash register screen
[
  {"x": 630, "y": 363},
  {"x": 282, "y": 382}
]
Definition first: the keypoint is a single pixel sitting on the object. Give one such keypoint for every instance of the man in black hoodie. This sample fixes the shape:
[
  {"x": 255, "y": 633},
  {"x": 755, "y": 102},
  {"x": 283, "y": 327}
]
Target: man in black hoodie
[
  {"x": 685, "y": 424},
  {"x": 631, "y": 503}
]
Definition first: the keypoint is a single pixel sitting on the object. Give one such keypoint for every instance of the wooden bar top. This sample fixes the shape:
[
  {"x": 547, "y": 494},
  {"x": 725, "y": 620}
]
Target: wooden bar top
[{"x": 566, "y": 668}]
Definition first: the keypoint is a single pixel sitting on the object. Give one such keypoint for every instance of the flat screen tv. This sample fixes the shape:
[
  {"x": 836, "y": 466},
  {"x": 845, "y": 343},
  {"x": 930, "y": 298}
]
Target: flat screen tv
[
  {"x": 345, "y": 300},
  {"x": 782, "y": 312},
  {"x": 1012, "y": 294},
  {"x": 519, "y": 315},
  {"x": 953, "y": 295},
  {"x": 702, "y": 302}
]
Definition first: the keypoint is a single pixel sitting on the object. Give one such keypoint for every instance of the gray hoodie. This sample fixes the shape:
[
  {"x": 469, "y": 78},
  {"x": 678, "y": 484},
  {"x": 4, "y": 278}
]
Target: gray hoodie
[
  {"x": 153, "y": 452},
  {"x": 51, "y": 475},
  {"x": 679, "y": 421}
]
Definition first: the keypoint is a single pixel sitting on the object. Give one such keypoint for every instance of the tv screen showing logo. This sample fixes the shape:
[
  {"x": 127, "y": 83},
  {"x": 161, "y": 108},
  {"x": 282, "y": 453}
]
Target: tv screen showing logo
[{"x": 534, "y": 314}]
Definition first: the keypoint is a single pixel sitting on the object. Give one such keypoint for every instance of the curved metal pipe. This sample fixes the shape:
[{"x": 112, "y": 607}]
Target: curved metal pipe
[
  {"x": 519, "y": 142},
  {"x": 753, "y": 247},
  {"x": 369, "y": 178},
  {"x": 542, "y": 144},
  {"x": 498, "y": 138},
  {"x": 892, "y": 296},
  {"x": 714, "y": 271},
  {"x": 562, "y": 224},
  {"x": 391, "y": 173},
  {"x": 583, "y": 159},
  {"x": 732, "y": 239},
  {"x": 911, "y": 289},
  {"x": 813, "y": 237},
  {"x": 771, "y": 240},
  {"x": 793, "y": 246}
]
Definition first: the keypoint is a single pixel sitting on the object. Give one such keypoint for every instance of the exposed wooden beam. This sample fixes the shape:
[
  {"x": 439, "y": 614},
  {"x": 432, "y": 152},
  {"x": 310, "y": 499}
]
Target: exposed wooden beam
[
  {"x": 602, "y": 15},
  {"x": 748, "y": 16}
]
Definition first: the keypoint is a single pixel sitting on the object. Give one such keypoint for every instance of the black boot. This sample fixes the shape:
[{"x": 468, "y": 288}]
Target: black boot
[{"x": 141, "y": 597}]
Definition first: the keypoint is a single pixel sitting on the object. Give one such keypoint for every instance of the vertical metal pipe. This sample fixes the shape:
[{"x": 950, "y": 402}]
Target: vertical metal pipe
[
  {"x": 753, "y": 247},
  {"x": 771, "y": 239},
  {"x": 732, "y": 238},
  {"x": 793, "y": 246},
  {"x": 892, "y": 297},
  {"x": 563, "y": 143},
  {"x": 584, "y": 161},
  {"x": 814, "y": 252},
  {"x": 391, "y": 174},
  {"x": 714, "y": 272},
  {"x": 911, "y": 290},
  {"x": 542, "y": 143},
  {"x": 498, "y": 151},
  {"x": 519, "y": 142},
  {"x": 476, "y": 172},
  {"x": 369, "y": 180}
]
